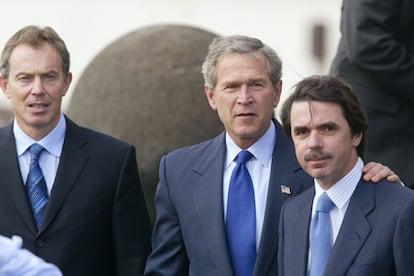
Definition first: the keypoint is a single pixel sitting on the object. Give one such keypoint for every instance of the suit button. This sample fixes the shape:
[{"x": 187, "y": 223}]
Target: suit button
[{"x": 39, "y": 243}]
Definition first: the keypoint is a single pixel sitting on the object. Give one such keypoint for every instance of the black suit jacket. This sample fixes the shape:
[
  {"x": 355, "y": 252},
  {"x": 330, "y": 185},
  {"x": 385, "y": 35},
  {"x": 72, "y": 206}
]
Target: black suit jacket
[
  {"x": 189, "y": 235},
  {"x": 376, "y": 56},
  {"x": 96, "y": 220}
]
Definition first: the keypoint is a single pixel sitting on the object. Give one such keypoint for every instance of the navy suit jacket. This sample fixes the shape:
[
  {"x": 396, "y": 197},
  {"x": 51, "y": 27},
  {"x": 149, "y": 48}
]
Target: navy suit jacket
[
  {"x": 375, "y": 237},
  {"x": 189, "y": 235},
  {"x": 96, "y": 220}
]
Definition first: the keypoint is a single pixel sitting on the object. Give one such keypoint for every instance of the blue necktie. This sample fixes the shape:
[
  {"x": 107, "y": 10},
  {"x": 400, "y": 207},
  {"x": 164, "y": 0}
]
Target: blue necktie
[
  {"x": 241, "y": 218},
  {"x": 321, "y": 235},
  {"x": 36, "y": 185}
]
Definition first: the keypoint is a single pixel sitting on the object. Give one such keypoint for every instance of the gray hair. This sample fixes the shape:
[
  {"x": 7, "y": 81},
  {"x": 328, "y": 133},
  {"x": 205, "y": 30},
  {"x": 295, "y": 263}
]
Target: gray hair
[{"x": 243, "y": 45}]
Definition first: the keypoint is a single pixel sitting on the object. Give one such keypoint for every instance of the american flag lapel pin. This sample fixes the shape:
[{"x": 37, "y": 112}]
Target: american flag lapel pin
[{"x": 285, "y": 189}]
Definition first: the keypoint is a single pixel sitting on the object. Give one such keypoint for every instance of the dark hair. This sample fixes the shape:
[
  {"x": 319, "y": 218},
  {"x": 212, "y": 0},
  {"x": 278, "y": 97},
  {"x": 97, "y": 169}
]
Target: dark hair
[
  {"x": 34, "y": 36},
  {"x": 327, "y": 88}
]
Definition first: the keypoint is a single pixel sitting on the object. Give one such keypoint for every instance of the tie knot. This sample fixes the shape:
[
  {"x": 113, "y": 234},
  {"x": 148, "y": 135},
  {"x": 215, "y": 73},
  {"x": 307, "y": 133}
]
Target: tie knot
[
  {"x": 35, "y": 151},
  {"x": 325, "y": 204},
  {"x": 243, "y": 156}
]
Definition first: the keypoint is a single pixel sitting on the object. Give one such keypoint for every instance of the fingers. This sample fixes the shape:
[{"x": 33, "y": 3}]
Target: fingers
[
  {"x": 376, "y": 171},
  {"x": 394, "y": 178}
]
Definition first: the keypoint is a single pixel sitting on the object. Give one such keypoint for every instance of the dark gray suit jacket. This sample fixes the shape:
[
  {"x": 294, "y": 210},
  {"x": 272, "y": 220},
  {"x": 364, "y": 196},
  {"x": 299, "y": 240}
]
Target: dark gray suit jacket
[
  {"x": 96, "y": 221},
  {"x": 189, "y": 235},
  {"x": 376, "y": 56},
  {"x": 375, "y": 237}
]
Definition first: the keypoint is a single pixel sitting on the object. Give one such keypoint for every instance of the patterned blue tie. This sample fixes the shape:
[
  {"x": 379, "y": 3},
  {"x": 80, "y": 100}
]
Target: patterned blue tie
[
  {"x": 36, "y": 185},
  {"x": 241, "y": 218},
  {"x": 321, "y": 235}
]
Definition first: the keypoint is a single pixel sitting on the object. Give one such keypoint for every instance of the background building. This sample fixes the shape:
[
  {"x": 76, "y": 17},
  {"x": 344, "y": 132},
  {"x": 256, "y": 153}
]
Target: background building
[{"x": 89, "y": 26}]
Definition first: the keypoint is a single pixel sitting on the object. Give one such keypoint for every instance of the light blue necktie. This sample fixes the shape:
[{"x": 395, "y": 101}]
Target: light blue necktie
[
  {"x": 241, "y": 218},
  {"x": 36, "y": 185},
  {"x": 321, "y": 235}
]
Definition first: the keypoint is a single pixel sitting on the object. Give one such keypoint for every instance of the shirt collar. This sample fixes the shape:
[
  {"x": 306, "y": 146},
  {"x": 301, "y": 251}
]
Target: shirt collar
[
  {"x": 341, "y": 191},
  {"x": 262, "y": 150},
  {"x": 52, "y": 142}
]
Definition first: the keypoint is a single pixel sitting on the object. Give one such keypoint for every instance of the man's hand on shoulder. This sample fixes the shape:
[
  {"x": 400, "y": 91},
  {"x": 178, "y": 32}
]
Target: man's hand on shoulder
[{"x": 375, "y": 172}]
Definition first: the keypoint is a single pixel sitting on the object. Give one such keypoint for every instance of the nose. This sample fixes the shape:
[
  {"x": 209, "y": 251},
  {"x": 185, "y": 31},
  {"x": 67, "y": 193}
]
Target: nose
[
  {"x": 244, "y": 95},
  {"x": 315, "y": 140},
  {"x": 37, "y": 87}
]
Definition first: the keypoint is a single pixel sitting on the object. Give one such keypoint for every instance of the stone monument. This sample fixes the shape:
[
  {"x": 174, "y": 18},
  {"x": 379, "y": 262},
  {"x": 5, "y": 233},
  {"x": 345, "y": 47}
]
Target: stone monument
[{"x": 146, "y": 88}]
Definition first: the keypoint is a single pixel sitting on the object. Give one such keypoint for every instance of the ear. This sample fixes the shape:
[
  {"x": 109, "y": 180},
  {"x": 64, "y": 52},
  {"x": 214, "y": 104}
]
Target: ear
[
  {"x": 68, "y": 81},
  {"x": 3, "y": 84},
  {"x": 356, "y": 139},
  {"x": 278, "y": 93},
  {"x": 210, "y": 97}
]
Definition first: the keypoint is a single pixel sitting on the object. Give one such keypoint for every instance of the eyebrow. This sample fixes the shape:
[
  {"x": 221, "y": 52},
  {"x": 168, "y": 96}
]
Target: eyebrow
[{"x": 328, "y": 124}]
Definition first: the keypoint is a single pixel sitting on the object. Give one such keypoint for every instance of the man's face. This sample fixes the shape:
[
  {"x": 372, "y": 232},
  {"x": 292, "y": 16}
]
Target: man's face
[
  {"x": 244, "y": 97},
  {"x": 35, "y": 87},
  {"x": 323, "y": 141}
]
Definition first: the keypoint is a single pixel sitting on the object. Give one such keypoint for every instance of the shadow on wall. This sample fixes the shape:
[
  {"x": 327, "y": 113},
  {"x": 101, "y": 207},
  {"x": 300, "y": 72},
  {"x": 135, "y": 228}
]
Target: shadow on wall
[{"x": 146, "y": 88}]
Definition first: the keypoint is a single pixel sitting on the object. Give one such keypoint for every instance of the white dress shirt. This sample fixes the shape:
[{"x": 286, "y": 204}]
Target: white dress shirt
[
  {"x": 340, "y": 193},
  {"x": 259, "y": 167},
  {"x": 49, "y": 158}
]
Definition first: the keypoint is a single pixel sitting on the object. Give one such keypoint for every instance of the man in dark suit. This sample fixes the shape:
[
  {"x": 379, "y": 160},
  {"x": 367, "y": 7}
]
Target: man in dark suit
[
  {"x": 376, "y": 57},
  {"x": 369, "y": 226},
  {"x": 84, "y": 209},
  {"x": 243, "y": 84}
]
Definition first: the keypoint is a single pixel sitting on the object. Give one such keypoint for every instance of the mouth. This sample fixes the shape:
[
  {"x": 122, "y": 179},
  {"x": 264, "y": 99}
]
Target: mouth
[
  {"x": 317, "y": 158},
  {"x": 38, "y": 105},
  {"x": 245, "y": 115},
  {"x": 38, "y": 108}
]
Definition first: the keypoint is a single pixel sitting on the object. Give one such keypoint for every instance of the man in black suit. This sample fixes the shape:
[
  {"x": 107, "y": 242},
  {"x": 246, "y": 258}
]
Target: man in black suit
[
  {"x": 89, "y": 215},
  {"x": 376, "y": 57}
]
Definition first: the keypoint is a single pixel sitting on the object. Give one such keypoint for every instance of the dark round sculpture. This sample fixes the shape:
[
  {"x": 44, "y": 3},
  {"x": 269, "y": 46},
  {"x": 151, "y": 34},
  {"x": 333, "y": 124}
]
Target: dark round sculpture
[{"x": 146, "y": 88}]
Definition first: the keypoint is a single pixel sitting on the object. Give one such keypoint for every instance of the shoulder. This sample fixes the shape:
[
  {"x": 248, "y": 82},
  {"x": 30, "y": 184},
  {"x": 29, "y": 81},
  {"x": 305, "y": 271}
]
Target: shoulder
[
  {"x": 387, "y": 193},
  {"x": 284, "y": 149},
  {"x": 198, "y": 151},
  {"x": 396, "y": 190},
  {"x": 81, "y": 134}
]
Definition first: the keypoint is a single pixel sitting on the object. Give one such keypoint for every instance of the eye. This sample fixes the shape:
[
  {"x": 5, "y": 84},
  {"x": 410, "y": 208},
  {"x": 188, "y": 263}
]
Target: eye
[
  {"x": 328, "y": 128},
  {"x": 230, "y": 87},
  {"x": 50, "y": 76},
  {"x": 299, "y": 131},
  {"x": 23, "y": 78},
  {"x": 256, "y": 85}
]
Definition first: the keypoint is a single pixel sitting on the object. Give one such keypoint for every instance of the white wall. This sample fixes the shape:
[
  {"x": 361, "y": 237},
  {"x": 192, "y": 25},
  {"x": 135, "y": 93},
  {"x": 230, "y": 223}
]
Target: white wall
[{"x": 89, "y": 26}]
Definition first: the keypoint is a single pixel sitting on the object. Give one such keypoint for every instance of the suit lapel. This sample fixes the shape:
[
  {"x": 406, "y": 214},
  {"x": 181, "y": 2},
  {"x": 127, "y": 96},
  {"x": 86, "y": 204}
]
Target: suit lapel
[
  {"x": 208, "y": 196},
  {"x": 300, "y": 243},
  {"x": 71, "y": 164},
  {"x": 11, "y": 177},
  {"x": 354, "y": 230},
  {"x": 284, "y": 167}
]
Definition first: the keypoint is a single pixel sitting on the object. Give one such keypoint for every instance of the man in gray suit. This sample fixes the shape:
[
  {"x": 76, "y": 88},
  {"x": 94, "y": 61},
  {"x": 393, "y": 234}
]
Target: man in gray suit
[
  {"x": 376, "y": 57},
  {"x": 369, "y": 226},
  {"x": 243, "y": 84}
]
